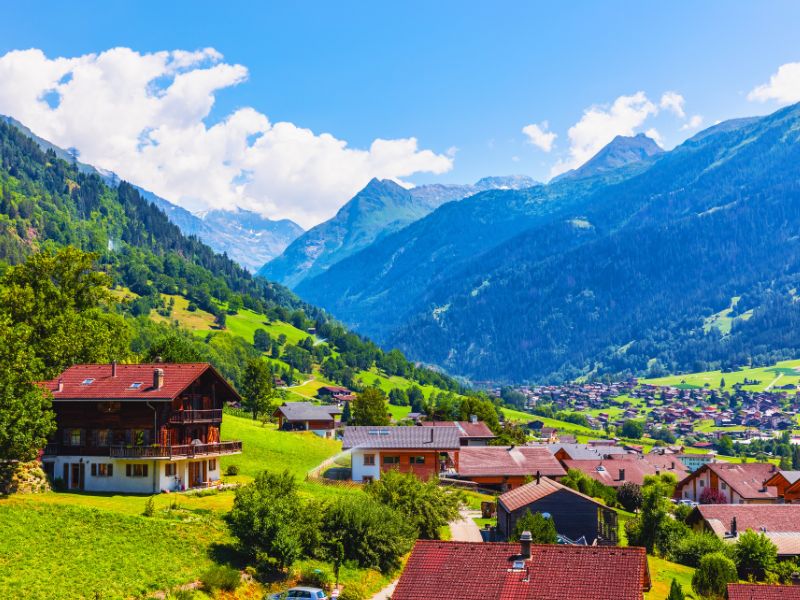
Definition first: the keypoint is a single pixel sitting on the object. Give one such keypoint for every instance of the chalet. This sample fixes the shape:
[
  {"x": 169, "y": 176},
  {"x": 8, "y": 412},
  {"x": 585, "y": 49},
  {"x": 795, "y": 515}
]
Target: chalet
[
  {"x": 754, "y": 591},
  {"x": 332, "y": 393},
  {"x": 138, "y": 428},
  {"x": 632, "y": 468},
  {"x": 566, "y": 451},
  {"x": 740, "y": 483},
  {"x": 506, "y": 467},
  {"x": 695, "y": 461},
  {"x": 522, "y": 571},
  {"x": 471, "y": 433},
  {"x": 305, "y": 416},
  {"x": 574, "y": 515},
  {"x": 424, "y": 451},
  {"x": 787, "y": 485},
  {"x": 779, "y": 522}
]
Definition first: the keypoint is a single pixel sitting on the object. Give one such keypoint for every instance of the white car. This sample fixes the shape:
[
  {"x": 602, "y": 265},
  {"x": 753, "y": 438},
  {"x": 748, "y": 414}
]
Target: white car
[{"x": 300, "y": 593}]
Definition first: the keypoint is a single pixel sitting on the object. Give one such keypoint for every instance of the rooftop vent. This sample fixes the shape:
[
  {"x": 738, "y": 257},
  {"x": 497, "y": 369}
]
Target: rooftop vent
[{"x": 525, "y": 545}]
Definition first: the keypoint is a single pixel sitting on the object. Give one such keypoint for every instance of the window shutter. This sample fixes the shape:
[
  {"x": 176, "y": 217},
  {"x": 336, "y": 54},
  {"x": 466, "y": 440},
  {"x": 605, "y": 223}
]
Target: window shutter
[
  {"x": 94, "y": 469},
  {"x": 83, "y": 437},
  {"x": 128, "y": 436},
  {"x": 94, "y": 439},
  {"x": 144, "y": 470},
  {"x": 65, "y": 434},
  {"x": 128, "y": 470},
  {"x": 110, "y": 469}
]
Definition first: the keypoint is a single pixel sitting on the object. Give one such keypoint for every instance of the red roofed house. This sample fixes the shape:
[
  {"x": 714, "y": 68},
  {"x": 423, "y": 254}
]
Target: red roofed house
[
  {"x": 138, "y": 428},
  {"x": 627, "y": 468},
  {"x": 740, "y": 483},
  {"x": 506, "y": 467},
  {"x": 574, "y": 515},
  {"x": 779, "y": 522},
  {"x": 752, "y": 591},
  {"x": 522, "y": 571},
  {"x": 787, "y": 485},
  {"x": 471, "y": 433}
]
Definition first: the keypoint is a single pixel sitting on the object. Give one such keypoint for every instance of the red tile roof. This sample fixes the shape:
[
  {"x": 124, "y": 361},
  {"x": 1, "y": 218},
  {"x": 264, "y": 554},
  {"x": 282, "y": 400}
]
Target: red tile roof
[
  {"x": 104, "y": 386},
  {"x": 636, "y": 467},
  {"x": 477, "y": 461},
  {"x": 749, "y": 591},
  {"x": 467, "y": 429},
  {"x": 531, "y": 492},
  {"x": 481, "y": 571},
  {"x": 773, "y": 517}
]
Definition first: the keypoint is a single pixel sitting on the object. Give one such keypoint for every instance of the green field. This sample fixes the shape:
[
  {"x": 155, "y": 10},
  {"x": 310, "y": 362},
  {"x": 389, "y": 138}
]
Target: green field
[
  {"x": 662, "y": 572},
  {"x": 783, "y": 373},
  {"x": 562, "y": 426}
]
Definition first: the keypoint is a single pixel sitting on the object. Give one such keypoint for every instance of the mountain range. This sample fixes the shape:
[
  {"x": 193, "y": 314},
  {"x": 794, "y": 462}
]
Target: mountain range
[
  {"x": 615, "y": 268},
  {"x": 378, "y": 210},
  {"x": 245, "y": 236}
]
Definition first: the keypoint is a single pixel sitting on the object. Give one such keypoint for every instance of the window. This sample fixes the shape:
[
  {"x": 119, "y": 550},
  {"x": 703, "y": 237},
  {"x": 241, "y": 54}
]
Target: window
[
  {"x": 724, "y": 485},
  {"x": 417, "y": 460},
  {"x": 102, "y": 470},
  {"x": 136, "y": 470},
  {"x": 702, "y": 483},
  {"x": 73, "y": 437},
  {"x": 391, "y": 460},
  {"x": 368, "y": 479},
  {"x": 369, "y": 460},
  {"x": 212, "y": 464},
  {"x": 102, "y": 437},
  {"x": 170, "y": 469},
  {"x": 87, "y": 381},
  {"x": 136, "y": 385}
]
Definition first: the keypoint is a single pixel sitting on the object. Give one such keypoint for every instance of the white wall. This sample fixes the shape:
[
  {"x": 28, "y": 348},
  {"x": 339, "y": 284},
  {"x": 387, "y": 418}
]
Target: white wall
[{"x": 360, "y": 470}]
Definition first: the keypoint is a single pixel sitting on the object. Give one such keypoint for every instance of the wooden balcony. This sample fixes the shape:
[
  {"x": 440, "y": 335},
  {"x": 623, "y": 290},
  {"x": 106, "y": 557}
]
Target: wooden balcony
[
  {"x": 181, "y": 451},
  {"x": 196, "y": 416}
]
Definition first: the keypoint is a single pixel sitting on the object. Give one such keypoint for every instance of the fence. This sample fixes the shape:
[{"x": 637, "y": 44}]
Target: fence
[{"x": 317, "y": 474}]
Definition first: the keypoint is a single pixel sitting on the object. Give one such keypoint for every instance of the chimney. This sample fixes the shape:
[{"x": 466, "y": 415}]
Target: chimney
[
  {"x": 733, "y": 527},
  {"x": 60, "y": 387},
  {"x": 622, "y": 474},
  {"x": 525, "y": 544},
  {"x": 673, "y": 465},
  {"x": 113, "y": 368},
  {"x": 158, "y": 378},
  {"x": 473, "y": 418},
  {"x": 538, "y": 478},
  {"x": 795, "y": 578}
]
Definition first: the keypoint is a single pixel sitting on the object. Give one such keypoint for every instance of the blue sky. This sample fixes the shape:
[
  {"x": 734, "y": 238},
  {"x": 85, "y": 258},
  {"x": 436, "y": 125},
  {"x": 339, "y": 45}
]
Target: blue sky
[{"x": 463, "y": 78}]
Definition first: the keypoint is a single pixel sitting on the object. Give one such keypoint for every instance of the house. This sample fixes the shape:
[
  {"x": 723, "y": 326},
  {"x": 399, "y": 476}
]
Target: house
[
  {"x": 332, "y": 393},
  {"x": 305, "y": 416},
  {"x": 632, "y": 468},
  {"x": 506, "y": 467},
  {"x": 787, "y": 485},
  {"x": 779, "y": 522},
  {"x": 695, "y": 461},
  {"x": 549, "y": 434},
  {"x": 424, "y": 451},
  {"x": 471, "y": 433},
  {"x": 563, "y": 451},
  {"x": 574, "y": 515},
  {"x": 138, "y": 428},
  {"x": 753, "y": 591},
  {"x": 522, "y": 571},
  {"x": 740, "y": 483}
]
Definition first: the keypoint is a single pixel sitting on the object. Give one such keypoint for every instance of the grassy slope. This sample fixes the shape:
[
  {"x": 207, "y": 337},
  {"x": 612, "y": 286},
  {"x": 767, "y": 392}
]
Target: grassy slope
[
  {"x": 789, "y": 371},
  {"x": 662, "y": 573}
]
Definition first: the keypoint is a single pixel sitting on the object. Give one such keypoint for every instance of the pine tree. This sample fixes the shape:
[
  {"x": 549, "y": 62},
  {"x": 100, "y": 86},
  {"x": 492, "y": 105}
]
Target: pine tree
[
  {"x": 675, "y": 591},
  {"x": 346, "y": 416}
]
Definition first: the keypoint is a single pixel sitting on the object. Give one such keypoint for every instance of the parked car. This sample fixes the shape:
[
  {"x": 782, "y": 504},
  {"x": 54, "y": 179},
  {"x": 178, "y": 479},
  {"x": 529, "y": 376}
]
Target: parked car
[{"x": 300, "y": 593}]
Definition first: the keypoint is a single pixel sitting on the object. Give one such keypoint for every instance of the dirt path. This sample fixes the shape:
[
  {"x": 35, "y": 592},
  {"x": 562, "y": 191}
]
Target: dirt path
[
  {"x": 773, "y": 382},
  {"x": 465, "y": 529},
  {"x": 386, "y": 592}
]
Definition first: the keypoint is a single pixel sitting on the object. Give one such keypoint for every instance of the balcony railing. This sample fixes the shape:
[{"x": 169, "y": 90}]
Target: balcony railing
[
  {"x": 196, "y": 416},
  {"x": 180, "y": 451}
]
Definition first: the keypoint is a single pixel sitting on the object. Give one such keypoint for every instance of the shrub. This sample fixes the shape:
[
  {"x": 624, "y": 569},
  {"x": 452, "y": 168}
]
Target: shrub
[
  {"x": 629, "y": 495},
  {"x": 232, "y": 470},
  {"x": 59, "y": 485},
  {"x": 754, "y": 555},
  {"x": 316, "y": 577},
  {"x": 713, "y": 575},
  {"x": 354, "y": 591},
  {"x": 221, "y": 577},
  {"x": 681, "y": 512},
  {"x": 694, "y": 546},
  {"x": 712, "y": 496},
  {"x": 542, "y": 529},
  {"x": 149, "y": 507}
]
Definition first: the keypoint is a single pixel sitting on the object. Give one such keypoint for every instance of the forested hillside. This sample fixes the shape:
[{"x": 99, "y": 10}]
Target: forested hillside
[{"x": 611, "y": 274}]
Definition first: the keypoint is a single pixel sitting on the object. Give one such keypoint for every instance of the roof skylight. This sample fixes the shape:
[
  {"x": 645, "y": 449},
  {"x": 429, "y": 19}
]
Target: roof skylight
[{"x": 88, "y": 381}]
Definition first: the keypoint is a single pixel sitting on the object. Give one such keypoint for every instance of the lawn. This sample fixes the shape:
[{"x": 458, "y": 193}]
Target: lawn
[
  {"x": 562, "y": 426},
  {"x": 785, "y": 372},
  {"x": 52, "y": 551},
  {"x": 662, "y": 573}
]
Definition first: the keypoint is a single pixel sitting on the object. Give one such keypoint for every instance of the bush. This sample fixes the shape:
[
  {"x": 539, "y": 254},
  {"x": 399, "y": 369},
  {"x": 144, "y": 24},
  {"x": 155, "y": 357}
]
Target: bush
[
  {"x": 712, "y": 496},
  {"x": 713, "y": 575},
  {"x": 754, "y": 554},
  {"x": 232, "y": 470},
  {"x": 149, "y": 507},
  {"x": 675, "y": 591},
  {"x": 542, "y": 529},
  {"x": 681, "y": 512},
  {"x": 629, "y": 495},
  {"x": 59, "y": 485},
  {"x": 316, "y": 577},
  {"x": 694, "y": 546},
  {"x": 221, "y": 577},
  {"x": 354, "y": 591}
]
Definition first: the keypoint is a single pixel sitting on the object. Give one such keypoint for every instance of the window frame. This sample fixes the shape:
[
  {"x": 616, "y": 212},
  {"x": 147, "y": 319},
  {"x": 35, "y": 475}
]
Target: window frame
[
  {"x": 369, "y": 460},
  {"x": 391, "y": 459}
]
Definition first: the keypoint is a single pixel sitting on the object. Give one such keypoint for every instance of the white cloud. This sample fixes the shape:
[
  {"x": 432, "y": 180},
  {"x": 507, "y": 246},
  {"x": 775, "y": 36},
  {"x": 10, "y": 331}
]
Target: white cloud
[
  {"x": 144, "y": 117},
  {"x": 693, "y": 123},
  {"x": 783, "y": 86},
  {"x": 601, "y": 124},
  {"x": 653, "y": 134},
  {"x": 539, "y": 136},
  {"x": 674, "y": 102}
]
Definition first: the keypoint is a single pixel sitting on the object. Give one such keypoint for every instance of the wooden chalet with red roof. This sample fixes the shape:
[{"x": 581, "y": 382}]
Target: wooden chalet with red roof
[
  {"x": 522, "y": 571},
  {"x": 738, "y": 483},
  {"x": 471, "y": 433},
  {"x": 138, "y": 428},
  {"x": 504, "y": 468}
]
